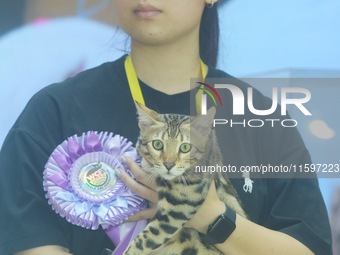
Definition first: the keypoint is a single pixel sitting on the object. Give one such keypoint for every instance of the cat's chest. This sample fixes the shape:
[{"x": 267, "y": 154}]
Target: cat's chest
[{"x": 179, "y": 194}]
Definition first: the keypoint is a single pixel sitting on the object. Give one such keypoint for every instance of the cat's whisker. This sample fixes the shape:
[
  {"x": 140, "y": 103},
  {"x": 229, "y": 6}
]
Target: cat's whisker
[
  {"x": 164, "y": 182},
  {"x": 150, "y": 179},
  {"x": 187, "y": 180},
  {"x": 190, "y": 178},
  {"x": 184, "y": 180}
]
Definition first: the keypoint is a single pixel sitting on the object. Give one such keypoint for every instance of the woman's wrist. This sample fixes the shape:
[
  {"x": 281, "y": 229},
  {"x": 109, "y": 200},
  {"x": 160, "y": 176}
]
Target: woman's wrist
[{"x": 209, "y": 214}]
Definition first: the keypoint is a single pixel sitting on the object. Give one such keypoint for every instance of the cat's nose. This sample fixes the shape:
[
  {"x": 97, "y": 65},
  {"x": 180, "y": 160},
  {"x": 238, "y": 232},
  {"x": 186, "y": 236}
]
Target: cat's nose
[{"x": 168, "y": 165}]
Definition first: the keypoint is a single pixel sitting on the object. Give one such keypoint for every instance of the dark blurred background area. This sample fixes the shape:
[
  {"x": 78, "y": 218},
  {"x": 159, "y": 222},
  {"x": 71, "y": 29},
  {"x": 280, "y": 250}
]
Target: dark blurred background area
[{"x": 8, "y": 21}]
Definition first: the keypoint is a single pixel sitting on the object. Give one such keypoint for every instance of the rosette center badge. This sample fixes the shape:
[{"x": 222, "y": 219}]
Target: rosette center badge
[{"x": 97, "y": 178}]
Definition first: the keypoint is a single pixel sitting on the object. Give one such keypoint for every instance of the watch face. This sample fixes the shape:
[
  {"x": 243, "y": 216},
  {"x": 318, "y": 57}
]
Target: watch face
[{"x": 222, "y": 229}]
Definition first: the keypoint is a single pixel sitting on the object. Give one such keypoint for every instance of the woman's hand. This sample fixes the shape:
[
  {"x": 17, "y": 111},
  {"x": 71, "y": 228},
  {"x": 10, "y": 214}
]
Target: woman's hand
[
  {"x": 241, "y": 241},
  {"x": 144, "y": 186},
  {"x": 48, "y": 249}
]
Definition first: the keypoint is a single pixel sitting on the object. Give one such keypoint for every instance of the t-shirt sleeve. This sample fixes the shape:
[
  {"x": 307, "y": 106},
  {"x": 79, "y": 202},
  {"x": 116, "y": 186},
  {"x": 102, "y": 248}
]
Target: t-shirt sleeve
[
  {"x": 299, "y": 211},
  {"x": 26, "y": 218},
  {"x": 295, "y": 203}
]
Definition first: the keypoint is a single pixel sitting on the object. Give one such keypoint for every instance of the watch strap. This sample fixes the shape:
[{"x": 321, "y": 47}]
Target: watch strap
[{"x": 221, "y": 228}]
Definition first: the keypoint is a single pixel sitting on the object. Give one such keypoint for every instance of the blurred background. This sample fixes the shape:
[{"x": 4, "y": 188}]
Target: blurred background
[{"x": 42, "y": 42}]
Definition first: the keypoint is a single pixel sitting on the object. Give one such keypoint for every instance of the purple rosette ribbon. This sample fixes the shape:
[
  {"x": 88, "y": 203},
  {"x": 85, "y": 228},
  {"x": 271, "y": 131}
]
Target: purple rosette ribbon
[{"x": 82, "y": 186}]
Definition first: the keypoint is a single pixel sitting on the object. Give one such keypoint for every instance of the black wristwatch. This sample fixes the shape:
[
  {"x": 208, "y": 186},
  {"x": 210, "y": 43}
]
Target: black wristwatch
[{"x": 221, "y": 229}]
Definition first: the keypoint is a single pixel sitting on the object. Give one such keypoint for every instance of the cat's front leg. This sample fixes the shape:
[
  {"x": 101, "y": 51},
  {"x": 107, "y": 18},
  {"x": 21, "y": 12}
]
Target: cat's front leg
[{"x": 158, "y": 232}]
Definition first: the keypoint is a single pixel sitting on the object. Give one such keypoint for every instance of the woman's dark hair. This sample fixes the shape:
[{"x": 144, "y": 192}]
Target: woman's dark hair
[{"x": 209, "y": 36}]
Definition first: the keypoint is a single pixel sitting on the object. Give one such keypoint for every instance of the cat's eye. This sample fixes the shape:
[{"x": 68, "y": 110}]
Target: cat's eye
[
  {"x": 185, "y": 147},
  {"x": 157, "y": 144}
]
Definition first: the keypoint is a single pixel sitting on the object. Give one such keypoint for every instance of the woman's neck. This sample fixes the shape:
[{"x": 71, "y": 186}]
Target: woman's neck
[{"x": 167, "y": 68}]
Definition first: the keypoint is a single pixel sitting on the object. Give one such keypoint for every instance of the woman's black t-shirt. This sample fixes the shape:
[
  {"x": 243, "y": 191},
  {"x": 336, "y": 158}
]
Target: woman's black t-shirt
[{"x": 100, "y": 100}]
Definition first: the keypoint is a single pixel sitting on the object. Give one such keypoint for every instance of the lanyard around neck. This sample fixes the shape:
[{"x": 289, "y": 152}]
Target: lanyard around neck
[{"x": 135, "y": 88}]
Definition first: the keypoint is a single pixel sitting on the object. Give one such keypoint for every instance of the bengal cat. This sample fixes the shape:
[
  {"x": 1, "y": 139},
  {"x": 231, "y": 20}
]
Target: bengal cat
[{"x": 171, "y": 145}]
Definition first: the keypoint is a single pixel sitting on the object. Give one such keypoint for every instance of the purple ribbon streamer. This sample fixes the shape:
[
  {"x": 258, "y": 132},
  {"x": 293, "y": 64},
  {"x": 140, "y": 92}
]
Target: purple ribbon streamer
[
  {"x": 92, "y": 143},
  {"x": 122, "y": 242},
  {"x": 60, "y": 180},
  {"x": 74, "y": 149},
  {"x": 63, "y": 161}
]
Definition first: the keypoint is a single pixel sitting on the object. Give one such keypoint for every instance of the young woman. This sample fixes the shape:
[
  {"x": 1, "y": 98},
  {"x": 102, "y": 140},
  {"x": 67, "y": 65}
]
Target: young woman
[{"x": 168, "y": 41}]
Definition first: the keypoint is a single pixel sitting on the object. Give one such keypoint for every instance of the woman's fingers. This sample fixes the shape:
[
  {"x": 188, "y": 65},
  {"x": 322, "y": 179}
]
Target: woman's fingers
[
  {"x": 143, "y": 186},
  {"x": 139, "y": 188},
  {"x": 145, "y": 214},
  {"x": 140, "y": 175}
]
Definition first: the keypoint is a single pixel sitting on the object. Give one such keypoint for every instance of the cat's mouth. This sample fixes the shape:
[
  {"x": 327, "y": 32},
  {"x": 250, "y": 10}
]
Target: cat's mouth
[{"x": 168, "y": 176}]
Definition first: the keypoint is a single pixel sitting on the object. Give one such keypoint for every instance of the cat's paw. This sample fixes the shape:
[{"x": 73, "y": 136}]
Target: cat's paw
[
  {"x": 141, "y": 246},
  {"x": 132, "y": 250}
]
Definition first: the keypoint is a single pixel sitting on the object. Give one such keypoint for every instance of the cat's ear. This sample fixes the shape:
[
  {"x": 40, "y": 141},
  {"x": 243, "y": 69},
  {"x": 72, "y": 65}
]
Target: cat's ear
[
  {"x": 203, "y": 123},
  {"x": 146, "y": 116}
]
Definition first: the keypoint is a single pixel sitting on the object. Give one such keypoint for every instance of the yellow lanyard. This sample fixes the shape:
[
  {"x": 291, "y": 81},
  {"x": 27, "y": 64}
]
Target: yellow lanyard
[{"x": 136, "y": 91}]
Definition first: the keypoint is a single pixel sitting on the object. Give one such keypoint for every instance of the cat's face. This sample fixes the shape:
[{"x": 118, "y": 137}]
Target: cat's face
[{"x": 171, "y": 144}]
